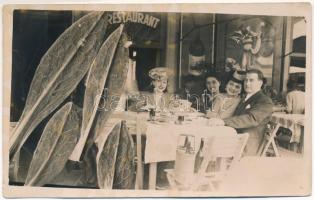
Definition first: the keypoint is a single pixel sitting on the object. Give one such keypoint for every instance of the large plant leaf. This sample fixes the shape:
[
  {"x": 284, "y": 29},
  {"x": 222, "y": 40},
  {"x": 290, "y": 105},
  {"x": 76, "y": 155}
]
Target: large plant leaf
[
  {"x": 94, "y": 86},
  {"x": 106, "y": 158},
  {"x": 114, "y": 87},
  {"x": 58, "y": 73},
  {"x": 124, "y": 167},
  {"x": 55, "y": 145}
]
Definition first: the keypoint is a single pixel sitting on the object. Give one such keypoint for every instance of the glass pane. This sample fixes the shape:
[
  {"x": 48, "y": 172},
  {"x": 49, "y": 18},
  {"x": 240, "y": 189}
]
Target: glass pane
[
  {"x": 249, "y": 42},
  {"x": 197, "y": 43},
  {"x": 297, "y": 61}
]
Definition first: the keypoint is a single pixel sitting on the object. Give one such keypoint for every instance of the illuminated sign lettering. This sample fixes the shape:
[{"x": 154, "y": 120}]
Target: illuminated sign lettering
[{"x": 135, "y": 17}]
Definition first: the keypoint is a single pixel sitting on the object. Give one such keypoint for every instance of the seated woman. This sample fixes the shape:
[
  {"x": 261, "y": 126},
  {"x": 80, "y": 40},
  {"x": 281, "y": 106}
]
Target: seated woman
[
  {"x": 159, "y": 99},
  {"x": 295, "y": 98},
  {"x": 192, "y": 90},
  {"x": 225, "y": 104},
  {"x": 157, "y": 96},
  {"x": 212, "y": 90}
]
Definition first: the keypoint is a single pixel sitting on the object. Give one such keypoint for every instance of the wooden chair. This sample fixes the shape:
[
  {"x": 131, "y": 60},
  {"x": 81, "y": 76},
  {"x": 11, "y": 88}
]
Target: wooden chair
[
  {"x": 220, "y": 152},
  {"x": 269, "y": 140},
  {"x": 139, "y": 165}
]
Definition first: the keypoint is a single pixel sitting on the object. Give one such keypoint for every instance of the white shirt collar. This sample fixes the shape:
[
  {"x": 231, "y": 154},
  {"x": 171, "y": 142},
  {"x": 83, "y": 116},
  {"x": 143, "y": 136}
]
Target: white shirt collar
[{"x": 249, "y": 95}]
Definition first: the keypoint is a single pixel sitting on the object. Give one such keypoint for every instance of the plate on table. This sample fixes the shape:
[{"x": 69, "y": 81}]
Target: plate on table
[
  {"x": 191, "y": 115},
  {"x": 163, "y": 118},
  {"x": 160, "y": 120},
  {"x": 146, "y": 108}
]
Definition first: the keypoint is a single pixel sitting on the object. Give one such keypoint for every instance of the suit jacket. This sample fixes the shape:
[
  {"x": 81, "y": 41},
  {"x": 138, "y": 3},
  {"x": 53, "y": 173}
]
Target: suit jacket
[{"x": 251, "y": 116}]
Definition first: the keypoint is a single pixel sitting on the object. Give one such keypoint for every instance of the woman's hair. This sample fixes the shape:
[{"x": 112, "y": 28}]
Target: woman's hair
[
  {"x": 293, "y": 85},
  {"x": 213, "y": 76},
  {"x": 236, "y": 81}
]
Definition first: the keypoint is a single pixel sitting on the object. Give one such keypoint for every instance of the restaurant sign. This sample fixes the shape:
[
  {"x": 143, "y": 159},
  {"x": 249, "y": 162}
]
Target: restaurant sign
[
  {"x": 143, "y": 28},
  {"x": 135, "y": 17}
]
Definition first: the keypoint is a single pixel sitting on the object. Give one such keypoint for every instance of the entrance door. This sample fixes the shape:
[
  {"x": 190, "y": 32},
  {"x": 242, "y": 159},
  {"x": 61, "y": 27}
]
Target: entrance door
[{"x": 145, "y": 61}]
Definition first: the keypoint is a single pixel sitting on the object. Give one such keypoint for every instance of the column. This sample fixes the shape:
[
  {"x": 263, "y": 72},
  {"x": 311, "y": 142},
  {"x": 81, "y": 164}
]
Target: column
[{"x": 172, "y": 49}]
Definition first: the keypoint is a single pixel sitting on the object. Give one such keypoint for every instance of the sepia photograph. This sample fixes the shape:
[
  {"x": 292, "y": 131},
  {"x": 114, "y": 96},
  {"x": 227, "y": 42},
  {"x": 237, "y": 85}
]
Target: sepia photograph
[{"x": 159, "y": 100}]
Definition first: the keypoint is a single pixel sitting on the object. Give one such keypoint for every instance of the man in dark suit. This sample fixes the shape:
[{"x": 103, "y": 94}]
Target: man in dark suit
[{"x": 253, "y": 112}]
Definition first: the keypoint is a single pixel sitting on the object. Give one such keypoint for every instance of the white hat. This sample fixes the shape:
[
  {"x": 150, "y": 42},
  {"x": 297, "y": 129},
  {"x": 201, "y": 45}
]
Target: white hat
[{"x": 158, "y": 73}]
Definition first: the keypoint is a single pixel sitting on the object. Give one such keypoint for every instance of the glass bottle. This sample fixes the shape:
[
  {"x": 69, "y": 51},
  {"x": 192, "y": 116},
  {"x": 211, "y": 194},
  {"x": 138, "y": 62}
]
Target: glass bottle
[{"x": 199, "y": 157}]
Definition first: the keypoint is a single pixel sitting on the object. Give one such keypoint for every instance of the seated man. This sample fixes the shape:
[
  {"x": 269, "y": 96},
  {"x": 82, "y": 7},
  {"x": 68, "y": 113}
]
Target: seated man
[{"x": 252, "y": 114}]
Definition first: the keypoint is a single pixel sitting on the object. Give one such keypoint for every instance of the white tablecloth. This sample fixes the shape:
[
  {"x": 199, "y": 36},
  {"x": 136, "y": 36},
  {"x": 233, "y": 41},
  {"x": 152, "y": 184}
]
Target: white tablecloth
[{"x": 161, "y": 140}]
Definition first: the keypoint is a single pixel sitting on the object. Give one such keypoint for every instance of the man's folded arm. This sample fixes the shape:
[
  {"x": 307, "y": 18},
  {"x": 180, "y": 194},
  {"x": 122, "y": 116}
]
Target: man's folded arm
[{"x": 252, "y": 118}]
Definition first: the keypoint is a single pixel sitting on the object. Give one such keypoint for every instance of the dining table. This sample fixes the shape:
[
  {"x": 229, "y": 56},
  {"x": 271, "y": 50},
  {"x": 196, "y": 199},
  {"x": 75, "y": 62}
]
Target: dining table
[
  {"x": 293, "y": 122},
  {"x": 162, "y": 134}
]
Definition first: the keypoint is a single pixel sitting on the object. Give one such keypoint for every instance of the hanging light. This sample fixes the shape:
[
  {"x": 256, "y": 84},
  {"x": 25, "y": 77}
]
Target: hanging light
[{"x": 131, "y": 81}]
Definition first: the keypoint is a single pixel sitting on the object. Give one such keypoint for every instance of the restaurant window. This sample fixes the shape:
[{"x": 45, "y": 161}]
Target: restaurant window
[
  {"x": 197, "y": 41},
  {"x": 294, "y": 52},
  {"x": 246, "y": 41},
  {"x": 297, "y": 57},
  {"x": 196, "y": 53}
]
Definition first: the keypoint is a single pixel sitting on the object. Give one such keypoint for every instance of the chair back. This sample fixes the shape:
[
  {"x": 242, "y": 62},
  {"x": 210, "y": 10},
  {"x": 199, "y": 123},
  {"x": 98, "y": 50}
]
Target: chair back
[
  {"x": 222, "y": 152},
  {"x": 226, "y": 149}
]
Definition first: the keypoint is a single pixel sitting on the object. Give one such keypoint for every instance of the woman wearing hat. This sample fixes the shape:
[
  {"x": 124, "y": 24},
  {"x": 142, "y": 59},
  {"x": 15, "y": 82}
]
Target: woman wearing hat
[
  {"x": 225, "y": 104},
  {"x": 157, "y": 97}
]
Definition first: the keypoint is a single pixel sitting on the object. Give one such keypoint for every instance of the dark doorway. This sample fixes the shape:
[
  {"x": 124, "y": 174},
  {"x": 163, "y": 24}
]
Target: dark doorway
[
  {"x": 33, "y": 33},
  {"x": 145, "y": 61}
]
